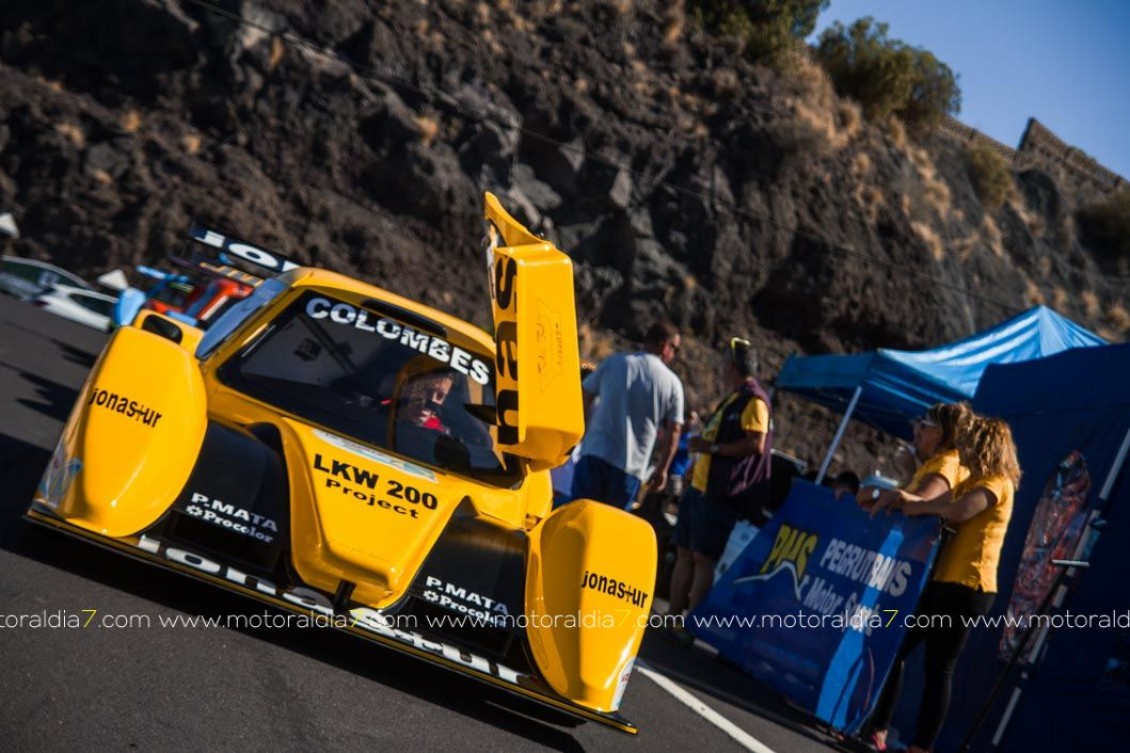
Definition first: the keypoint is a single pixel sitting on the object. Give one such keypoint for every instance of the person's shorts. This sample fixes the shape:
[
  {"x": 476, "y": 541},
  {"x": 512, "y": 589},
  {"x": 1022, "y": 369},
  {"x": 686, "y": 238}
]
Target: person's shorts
[
  {"x": 594, "y": 478},
  {"x": 704, "y": 526}
]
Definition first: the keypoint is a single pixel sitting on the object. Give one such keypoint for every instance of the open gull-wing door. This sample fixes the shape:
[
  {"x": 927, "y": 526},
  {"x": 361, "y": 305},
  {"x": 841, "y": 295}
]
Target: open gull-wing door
[{"x": 540, "y": 416}]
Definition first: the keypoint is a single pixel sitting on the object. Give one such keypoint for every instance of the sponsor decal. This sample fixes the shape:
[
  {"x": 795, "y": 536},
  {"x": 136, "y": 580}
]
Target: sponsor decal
[
  {"x": 622, "y": 682},
  {"x": 505, "y": 299},
  {"x": 376, "y": 622},
  {"x": 368, "y": 452},
  {"x": 790, "y": 553},
  {"x": 366, "y": 619},
  {"x": 434, "y": 347},
  {"x": 363, "y": 484},
  {"x": 867, "y": 567},
  {"x": 58, "y": 476},
  {"x": 233, "y": 518},
  {"x": 635, "y": 596},
  {"x": 463, "y": 600},
  {"x": 124, "y": 405},
  {"x": 550, "y": 341},
  {"x": 231, "y": 273},
  {"x": 245, "y": 251}
]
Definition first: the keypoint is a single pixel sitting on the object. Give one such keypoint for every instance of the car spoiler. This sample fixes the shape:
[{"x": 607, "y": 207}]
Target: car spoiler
[{"x": 232, "y": 255}]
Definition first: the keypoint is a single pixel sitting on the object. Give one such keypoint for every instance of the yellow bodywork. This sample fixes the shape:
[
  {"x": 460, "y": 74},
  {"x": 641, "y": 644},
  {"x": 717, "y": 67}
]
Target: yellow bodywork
[
  {"x": 130, "y": 445},
  {"x": 136, "y": 435},
  {"x": 539, "y": 389},
  {"x": 588, "y": 592}
]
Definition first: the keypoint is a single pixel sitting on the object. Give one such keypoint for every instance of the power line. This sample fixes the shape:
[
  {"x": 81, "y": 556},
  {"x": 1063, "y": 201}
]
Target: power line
[{"x": 438, "y": 94}]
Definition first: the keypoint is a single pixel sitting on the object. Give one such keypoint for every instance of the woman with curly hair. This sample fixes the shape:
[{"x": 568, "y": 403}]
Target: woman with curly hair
[
  {"x": 935, "y": 438},
  {"x": 965, "y": 576}
]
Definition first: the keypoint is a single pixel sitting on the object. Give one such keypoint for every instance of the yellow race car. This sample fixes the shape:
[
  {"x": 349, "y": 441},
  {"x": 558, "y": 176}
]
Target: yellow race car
[{"x": 343, "y": 453}]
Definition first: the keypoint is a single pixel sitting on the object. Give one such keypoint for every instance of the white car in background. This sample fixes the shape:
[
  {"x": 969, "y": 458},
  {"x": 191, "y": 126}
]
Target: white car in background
[
  {"x": 78, "y": 304},
  {"x": 27, "y": 278}
]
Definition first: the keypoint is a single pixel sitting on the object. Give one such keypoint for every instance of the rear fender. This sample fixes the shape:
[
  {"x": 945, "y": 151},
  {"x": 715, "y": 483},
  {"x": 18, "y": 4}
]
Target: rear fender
[
  {"x": 133, "y": 436},
  {"x": 588, "y": 594}
]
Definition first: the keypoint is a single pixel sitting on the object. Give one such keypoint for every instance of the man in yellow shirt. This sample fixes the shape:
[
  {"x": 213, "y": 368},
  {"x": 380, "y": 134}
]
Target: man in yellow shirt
[{"x": 733, "y": 456}]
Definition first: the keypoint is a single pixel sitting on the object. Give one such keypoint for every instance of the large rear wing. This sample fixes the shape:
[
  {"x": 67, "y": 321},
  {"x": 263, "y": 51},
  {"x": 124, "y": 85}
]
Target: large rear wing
[
  {"x": 225, "y": 256},
  {"x": 539, "y": 410},
  {"x": 208, "y": 255}
]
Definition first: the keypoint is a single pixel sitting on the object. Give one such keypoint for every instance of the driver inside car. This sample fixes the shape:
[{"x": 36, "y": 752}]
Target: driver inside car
[{"x": 422, "y": 398}]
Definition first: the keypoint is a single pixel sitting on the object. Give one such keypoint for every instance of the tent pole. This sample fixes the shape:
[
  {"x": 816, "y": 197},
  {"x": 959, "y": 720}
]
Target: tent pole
[
  {"x": 1115, "y": 468},
  {"x": 839, "y": 434}
]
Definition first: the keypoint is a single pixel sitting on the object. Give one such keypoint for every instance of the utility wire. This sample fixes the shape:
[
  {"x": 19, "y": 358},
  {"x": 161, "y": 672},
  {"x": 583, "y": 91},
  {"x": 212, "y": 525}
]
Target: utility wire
[{"x": 438, "y": 94}]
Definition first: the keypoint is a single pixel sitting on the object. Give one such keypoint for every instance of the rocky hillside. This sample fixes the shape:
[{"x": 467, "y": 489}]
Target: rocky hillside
[{"x": 682, "y": 179}]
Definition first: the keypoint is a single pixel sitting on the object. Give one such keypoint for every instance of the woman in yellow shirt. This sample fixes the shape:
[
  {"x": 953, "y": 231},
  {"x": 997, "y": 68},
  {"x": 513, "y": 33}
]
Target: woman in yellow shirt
[
  {"x": 935, "y": 438},
  {"x": 965, "y": 577}
]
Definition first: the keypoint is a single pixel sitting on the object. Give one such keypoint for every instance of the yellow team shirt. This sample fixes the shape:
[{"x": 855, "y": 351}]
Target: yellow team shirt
[
  {"x": 971, "y": 557},
  {"x": 755, "y": 417},
  {"x": 946, "y": 464}
]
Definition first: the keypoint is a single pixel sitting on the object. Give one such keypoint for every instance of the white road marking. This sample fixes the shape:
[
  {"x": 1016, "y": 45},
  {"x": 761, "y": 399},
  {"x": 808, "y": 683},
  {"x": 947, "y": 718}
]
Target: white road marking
[{"x": 743, "y": 738}]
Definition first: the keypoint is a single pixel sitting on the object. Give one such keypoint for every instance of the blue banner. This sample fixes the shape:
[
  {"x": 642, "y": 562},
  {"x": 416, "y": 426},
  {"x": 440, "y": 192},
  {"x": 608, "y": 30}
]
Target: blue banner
[{"x": 816, "y": 605}]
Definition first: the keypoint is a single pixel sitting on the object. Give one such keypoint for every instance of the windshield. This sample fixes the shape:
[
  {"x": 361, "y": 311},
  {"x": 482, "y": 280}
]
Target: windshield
[
  {"x": 233, "y": 317},
  {"x": 402, "y": 387}
]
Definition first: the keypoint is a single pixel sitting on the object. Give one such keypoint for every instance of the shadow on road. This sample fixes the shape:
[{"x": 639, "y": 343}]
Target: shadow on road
[
  {"x": 707, "y": 674},
  {"x": 703, "y": 671},
  {"x": 55, "y": 400},
  {"x": 22, "y": 464},
  {"x": 77, "y": 356}
]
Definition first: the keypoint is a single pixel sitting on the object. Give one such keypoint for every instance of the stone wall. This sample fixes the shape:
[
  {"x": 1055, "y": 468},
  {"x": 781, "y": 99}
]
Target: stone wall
[
  {"x": 1040, "y": 147},
  {"x": 971, "y": 136}
]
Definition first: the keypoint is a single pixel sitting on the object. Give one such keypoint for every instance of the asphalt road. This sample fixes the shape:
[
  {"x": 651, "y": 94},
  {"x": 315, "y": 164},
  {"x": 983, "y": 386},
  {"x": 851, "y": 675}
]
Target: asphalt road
[{"x": 192, "y": 688}]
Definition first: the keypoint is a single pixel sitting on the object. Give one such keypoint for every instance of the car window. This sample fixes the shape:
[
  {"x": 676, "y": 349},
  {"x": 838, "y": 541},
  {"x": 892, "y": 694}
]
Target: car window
[
  {"x": 96, "y": 304},
  {"x": 21, "y": 271},
  {"x": 396, "y": 385},
  {"x": 27, "y": 278},
  {"x": 40, "y": 273}
]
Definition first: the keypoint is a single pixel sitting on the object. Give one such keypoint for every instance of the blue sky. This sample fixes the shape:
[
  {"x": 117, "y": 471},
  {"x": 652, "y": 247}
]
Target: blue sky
[{"x": 1065, "y": 63}]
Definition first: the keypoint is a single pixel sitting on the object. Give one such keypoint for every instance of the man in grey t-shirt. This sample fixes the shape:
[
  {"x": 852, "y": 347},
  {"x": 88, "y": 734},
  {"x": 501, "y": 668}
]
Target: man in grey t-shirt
[{"x": 634, "y": 394}]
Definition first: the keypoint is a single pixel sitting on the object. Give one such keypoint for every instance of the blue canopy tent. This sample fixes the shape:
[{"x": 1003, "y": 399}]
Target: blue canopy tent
[{"x": 887, "y": 388}]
